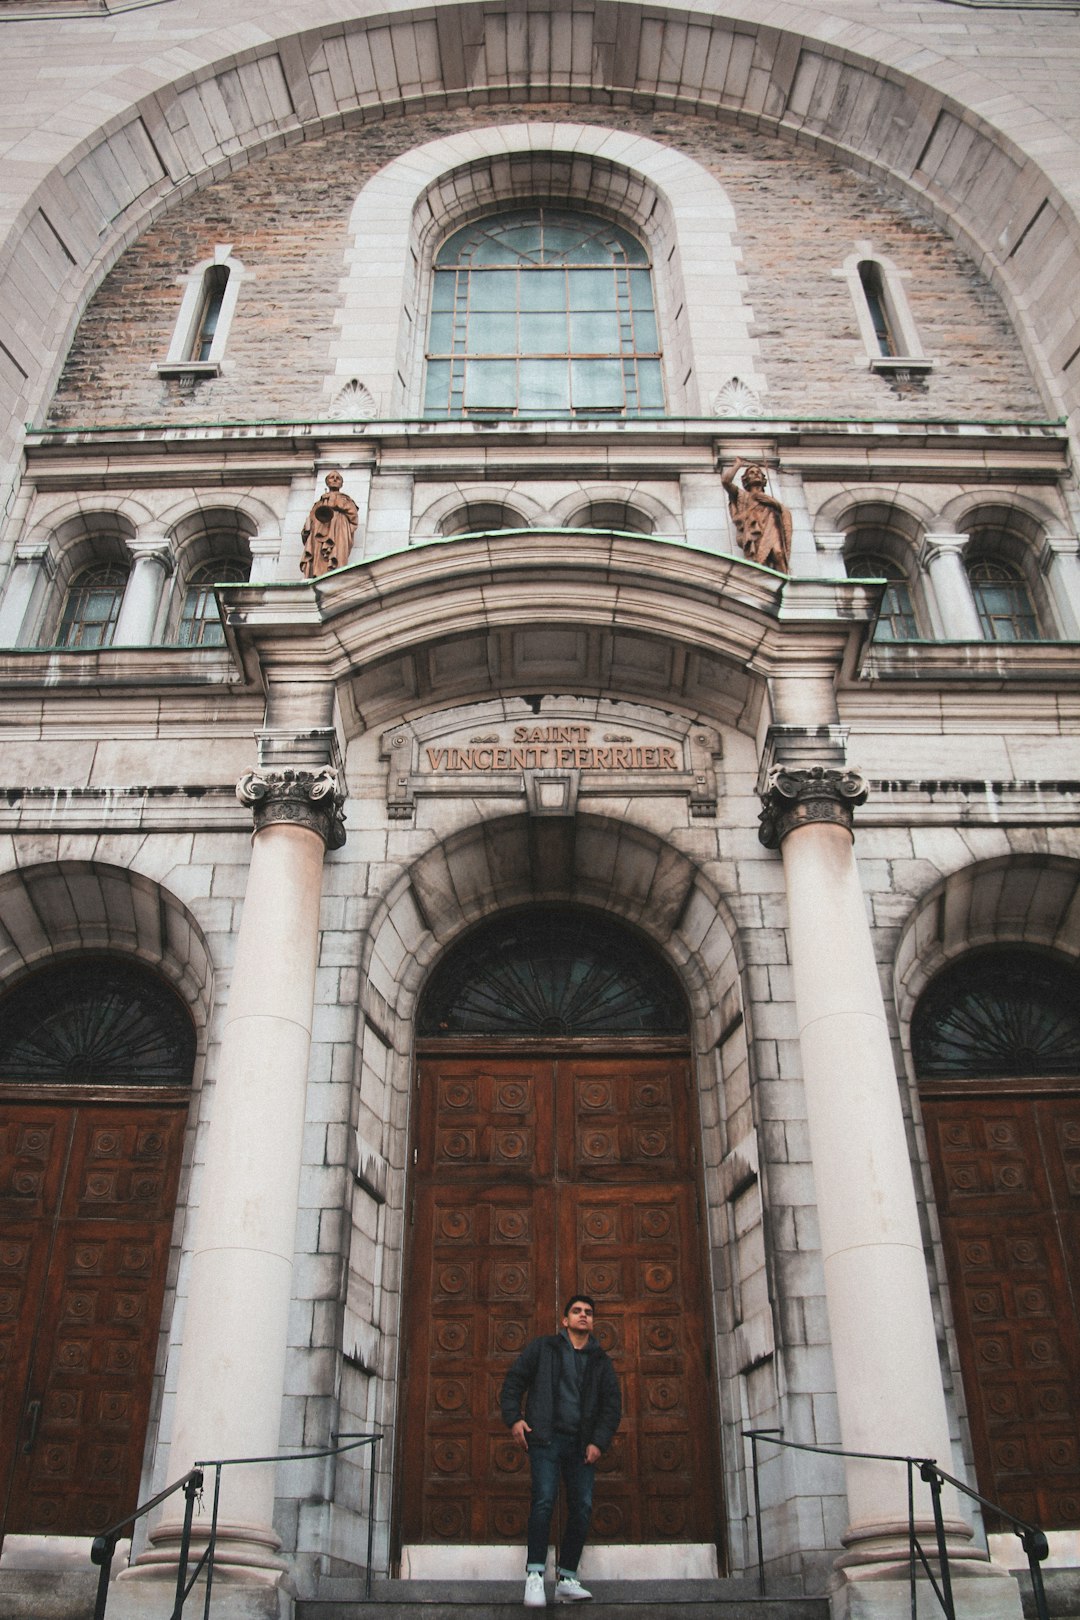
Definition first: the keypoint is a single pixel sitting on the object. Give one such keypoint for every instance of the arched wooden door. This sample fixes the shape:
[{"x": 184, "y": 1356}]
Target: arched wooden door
[
  {"x": 95, "y": 1069},
  {"x": 997, "y": 1046},
  {"x": 544, "y": 1166}
]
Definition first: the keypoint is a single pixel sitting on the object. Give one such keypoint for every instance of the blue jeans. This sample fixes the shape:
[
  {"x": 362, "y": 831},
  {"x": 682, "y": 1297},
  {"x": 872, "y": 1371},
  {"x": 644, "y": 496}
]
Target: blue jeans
[{"x": 561, "y": 1455}]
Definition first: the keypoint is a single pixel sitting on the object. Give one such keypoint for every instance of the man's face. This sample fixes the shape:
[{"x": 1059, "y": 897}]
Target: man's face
[
  {"x": 579, "y": 1318},
  {"x": 753, "y": 478}
]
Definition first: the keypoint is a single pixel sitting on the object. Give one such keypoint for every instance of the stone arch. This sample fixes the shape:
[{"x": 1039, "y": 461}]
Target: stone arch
[
  {"x": 238, "y": 100},
  {"x": 597, "y": 863},
  {"x": 409, "y": 205},
  {"x": 439, "y": 516}
]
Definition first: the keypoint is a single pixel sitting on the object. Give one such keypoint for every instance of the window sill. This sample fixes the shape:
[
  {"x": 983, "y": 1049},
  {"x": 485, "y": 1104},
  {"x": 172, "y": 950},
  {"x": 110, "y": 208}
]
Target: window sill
[{"x": 186, "y": 368}]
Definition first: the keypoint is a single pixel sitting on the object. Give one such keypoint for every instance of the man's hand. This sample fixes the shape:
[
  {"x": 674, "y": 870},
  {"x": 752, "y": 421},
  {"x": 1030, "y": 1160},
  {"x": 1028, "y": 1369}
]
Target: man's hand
[
  {"x": 592, "y": 1454},
  {"x": 521, "y": 1429}
]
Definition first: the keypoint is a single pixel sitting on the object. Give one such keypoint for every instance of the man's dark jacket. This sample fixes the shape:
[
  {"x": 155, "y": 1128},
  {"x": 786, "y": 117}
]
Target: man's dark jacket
[{"x": 535, "y": 1375}]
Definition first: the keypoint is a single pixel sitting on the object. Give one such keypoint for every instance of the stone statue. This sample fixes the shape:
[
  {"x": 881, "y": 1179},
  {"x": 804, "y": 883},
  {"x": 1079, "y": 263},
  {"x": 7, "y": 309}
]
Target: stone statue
[
  {"x": 762, "y": 524},
  {"x": 329, "y": 530}
]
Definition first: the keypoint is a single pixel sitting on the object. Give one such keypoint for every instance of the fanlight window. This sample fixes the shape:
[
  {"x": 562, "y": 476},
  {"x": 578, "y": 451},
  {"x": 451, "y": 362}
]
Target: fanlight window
[
  {"x": 200, "y": 623},
  {"x": 96, "y": 1021},
  {"x": 543, "y": 312},
  {"x": 92, "y": 607},
  {"x": 552, "y": 974},
  {"x": 1001, "y": 1014},
  {"x": 896, "y": 619},
  {"x": 1003, "y": 601}
]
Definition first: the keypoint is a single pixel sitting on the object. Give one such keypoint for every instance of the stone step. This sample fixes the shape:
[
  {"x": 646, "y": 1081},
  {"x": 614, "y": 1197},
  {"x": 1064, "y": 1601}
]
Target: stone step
[{"x": 501, "y": 1600}]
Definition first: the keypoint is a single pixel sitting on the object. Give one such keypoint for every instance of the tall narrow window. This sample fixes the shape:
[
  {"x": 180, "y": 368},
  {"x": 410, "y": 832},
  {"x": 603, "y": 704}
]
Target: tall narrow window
[
  {"x": 873, "y": 286},
  {"x": 200, "y": 623},
  {"x": 1003, "y": 601},
  {"x": 92, "y": 607},
  {"x": 214, "y": 284},
  {"x": 896, "y": 618},
  {"x": 543, "y": 312}
]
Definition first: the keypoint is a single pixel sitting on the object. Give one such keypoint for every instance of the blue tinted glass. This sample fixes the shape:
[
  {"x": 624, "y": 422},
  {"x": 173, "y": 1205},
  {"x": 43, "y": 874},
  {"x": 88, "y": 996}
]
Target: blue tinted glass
[
  {"x": 650, "y": 385},
  {"x": 490, "y": 385},
  {"x": 492, "y": 334},
  {"x": 597, "y": 384},
  {"x": 543, "y": 334},
  {"x": 646, "y": 338},
  {"x": 523, "y": 240},
  {"x": 492, "y": 289},
  {"x": 545, "y": 385},
  {"x": 439, "y": 334},
  {"x": 442, "y": 296},
  {"x": 641, "y": 289},
  {"x": 543, "y": 289},
  {"x": 592, "y": 289},
  {"x": 594, "y": 331},
  {"x": 438, "y": 384}
]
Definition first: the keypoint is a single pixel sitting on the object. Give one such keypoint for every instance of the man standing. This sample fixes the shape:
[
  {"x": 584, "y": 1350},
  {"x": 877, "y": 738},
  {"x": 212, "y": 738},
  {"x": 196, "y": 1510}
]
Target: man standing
[{"x": 572, "y": 1409}]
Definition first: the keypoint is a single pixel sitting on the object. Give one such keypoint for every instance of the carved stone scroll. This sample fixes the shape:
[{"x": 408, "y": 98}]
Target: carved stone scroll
[
  {"x": 311, "y": 799},
  {"x": 797, "y": 798}
]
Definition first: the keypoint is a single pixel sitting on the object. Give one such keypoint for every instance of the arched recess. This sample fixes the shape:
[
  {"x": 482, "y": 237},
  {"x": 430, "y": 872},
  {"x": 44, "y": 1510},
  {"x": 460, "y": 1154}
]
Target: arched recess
[
  {"x": 403, "y": 213},
  {"x": 623, "y": 874},
  {"x": 104, "y": 989},
  {"x": 988, "y": 978}
]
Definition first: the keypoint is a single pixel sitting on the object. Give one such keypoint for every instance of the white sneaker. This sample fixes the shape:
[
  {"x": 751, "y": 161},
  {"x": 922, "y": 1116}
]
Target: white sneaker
[
  {"x": 535, "y": 1596},
  {"x": 570, "y": 1590}
]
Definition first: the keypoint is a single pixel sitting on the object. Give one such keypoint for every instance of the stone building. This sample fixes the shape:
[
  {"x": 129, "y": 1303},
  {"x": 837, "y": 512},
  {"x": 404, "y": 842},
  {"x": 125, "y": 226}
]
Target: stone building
[{"x": 494, "y": 870}]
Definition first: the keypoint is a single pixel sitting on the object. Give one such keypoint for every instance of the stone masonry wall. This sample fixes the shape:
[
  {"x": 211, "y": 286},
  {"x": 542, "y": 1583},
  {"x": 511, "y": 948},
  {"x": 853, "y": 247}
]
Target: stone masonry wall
[{"x": 286, "y": 218}]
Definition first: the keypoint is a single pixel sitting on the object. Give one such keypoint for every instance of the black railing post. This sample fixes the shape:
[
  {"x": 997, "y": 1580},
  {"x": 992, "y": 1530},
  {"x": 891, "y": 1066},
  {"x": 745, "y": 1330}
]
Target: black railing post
[
  {"x": 1037, "y": 1547},
  {"x": 370, "y": 1517},
  {"x": 757, "y": 1516},
  {"x": 913, "y": 1596},
  {"x": 929, "y": 1472},
  {"x": 211, "y": 1546},
  {"x": 101, "y": 1553},
  {"x": 192, "y": 1487}
]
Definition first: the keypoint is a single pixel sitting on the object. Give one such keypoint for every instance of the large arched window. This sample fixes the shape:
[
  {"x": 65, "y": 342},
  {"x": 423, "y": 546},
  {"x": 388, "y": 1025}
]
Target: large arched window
[
  {"x": 999, "y": 1015},
  {"x": 200, "y": 623},
  {"x": 543, "y": 312},
  {"x": 92, "y": 606},
  {"x": 1006, "y": 611},
  {"x": 896, "y": 619}
]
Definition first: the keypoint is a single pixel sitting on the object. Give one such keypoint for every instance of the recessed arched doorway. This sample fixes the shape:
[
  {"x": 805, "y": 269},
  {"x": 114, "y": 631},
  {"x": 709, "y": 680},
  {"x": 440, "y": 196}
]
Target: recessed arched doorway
[
  {"x": 96, "y": 1057},
  {"x": 554, "y": 1150},
  {"x": 996, "y": 1045}
]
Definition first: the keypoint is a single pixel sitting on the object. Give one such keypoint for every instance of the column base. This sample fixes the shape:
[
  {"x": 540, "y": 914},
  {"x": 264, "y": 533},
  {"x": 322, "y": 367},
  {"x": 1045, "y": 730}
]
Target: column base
[
  {"x": 868, "y": 1592},
  {"x": 235, "y": 1597}
]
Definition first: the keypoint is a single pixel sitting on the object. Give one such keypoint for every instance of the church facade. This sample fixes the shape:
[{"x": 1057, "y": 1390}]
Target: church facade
[{"x": 539, "y": 635}]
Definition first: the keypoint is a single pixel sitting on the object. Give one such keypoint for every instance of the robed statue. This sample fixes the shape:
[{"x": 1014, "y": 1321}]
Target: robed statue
[
  {"x": 329, "y": 530},
  {"x": 762, "y": 523}
]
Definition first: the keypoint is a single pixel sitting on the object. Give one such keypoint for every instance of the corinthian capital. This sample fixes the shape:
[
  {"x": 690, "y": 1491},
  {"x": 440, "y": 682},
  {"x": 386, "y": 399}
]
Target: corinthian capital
[
  {"x": 311, "y": 799},
  {"x": 797, "y": 798}
]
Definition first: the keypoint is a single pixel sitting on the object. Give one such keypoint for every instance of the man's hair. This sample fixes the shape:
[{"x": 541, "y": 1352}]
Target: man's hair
[{"x": 576, "y": 1299}]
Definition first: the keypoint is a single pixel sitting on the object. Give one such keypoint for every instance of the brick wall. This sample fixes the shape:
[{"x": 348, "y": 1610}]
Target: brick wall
[{"x": 286, "y": 217}]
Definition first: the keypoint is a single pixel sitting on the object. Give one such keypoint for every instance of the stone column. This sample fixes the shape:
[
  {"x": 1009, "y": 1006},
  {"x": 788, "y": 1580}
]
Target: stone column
[
  {"x": 942, "y": 556},
  {"x": 1060, "y": 562},
  {"x": 888, "y": 1376},
  {"x": 139, "y": 609},
  {"x": 265, "y": 548},
  {"x": 232, "y": 1362},
  {"x": 32, "y": 571}
]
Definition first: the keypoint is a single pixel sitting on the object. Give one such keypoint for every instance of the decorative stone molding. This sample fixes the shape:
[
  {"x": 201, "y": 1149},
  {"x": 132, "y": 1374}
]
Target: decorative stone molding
[
  {"x": 353, "y": 403},
  {"x": 311, "y": 799},
  {"x": 737, "y": 398},
  {"x": 797, "y": 798}
]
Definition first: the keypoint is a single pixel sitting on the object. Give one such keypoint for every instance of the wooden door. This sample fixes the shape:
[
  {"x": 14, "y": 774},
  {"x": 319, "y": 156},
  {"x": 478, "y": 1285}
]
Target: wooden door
[
  {"x": 537, "y": 1177},
  {"x": 87, "y": 1194},
  {"x": 1007, "y": 1176}
]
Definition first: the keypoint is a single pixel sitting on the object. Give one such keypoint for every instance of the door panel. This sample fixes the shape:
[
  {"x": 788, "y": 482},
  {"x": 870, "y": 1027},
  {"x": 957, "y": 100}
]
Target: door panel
[
  {"x": 1007, "y": 1177},
  {"x": 82, "y": 1335},
  {"x": 534, "y": 1178}
]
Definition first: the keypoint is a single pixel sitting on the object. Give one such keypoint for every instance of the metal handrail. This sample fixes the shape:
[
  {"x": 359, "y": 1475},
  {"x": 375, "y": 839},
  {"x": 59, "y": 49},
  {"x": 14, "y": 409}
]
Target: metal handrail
[
  {"x": 1032, "y": 1539},
  {"x": 104, "y": 1545}
]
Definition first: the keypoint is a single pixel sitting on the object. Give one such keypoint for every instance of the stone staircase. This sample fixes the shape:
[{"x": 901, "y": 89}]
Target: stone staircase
[{"x": 501, "y": 1600}]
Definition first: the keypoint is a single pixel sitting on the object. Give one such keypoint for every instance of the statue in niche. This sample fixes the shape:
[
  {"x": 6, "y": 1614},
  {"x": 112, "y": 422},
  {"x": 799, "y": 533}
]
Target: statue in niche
[
  {"x": 762, "y": 523},
  {"x": 329, "y": 530}
]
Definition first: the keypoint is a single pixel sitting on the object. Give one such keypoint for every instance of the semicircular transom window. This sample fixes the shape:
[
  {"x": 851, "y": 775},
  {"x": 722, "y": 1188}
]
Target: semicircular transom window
[
  {"x": 550, "y": 974},
  {"x": 543, "y": 312},
  {"x": 999, "y": 1014},
  {"x": 98, "y": 1021}
]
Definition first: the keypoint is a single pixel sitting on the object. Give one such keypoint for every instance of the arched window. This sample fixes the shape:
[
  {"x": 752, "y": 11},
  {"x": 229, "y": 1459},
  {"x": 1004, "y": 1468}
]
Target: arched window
[
  {"x": 541, "y": 973},
  {"x": 873, "y": 286},
  {"x": 92, "y": 606},
  {"x": 96, "y": 1021},
  {"x": 1002, "y": 598},
  {"x": 200, "y": 624},
  {"x": 543, "y": 312},
  {"x": 612, "y": 515},
  {"x": 215, "y": 281},
  {"x": 999, "y": 1014},
  {"x": 211, "y": 291},
  {"x": 896, "y": 619},
  {"x": 481, "y": 516}
]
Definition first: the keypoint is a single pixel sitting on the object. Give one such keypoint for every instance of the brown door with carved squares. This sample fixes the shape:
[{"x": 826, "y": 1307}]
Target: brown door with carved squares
[
  {"x": 537, "y": 1176},
  {"x": 87, "y": 1193},
  {"x": 1007, "y": 1176}
]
